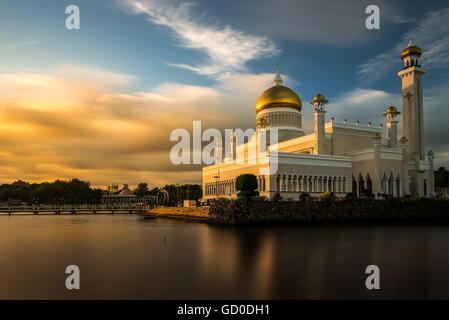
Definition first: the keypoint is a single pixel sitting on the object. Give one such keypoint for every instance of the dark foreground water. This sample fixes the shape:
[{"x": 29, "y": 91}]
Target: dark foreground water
[{"x": 128, "y": 257}]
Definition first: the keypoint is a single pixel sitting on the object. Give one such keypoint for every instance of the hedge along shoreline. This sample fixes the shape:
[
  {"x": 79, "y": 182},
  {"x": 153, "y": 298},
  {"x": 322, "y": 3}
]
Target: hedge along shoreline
[{"x": 333, "y": 212}]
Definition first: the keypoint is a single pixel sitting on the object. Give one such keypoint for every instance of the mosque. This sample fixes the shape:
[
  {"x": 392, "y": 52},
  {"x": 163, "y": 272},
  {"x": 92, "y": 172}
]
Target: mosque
[{"x": 338, "y": 157}]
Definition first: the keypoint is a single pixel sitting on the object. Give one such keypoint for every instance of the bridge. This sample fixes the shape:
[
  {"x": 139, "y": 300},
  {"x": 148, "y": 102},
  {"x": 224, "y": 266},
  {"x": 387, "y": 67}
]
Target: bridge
[{"x": 131, "y": 208}]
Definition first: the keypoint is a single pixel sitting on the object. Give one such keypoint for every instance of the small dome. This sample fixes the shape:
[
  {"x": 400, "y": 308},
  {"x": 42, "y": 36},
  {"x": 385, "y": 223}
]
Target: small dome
[
  {"x": 278, "y": 96},
  {"x": 411, "y": 50},
  {"x": 392, "y": 109},
  {"x": 319, "y": 98}
]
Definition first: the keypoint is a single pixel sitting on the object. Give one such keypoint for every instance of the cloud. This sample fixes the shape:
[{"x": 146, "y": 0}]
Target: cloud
[
  {"x": 365, "y": 105},
  {"x": 340, "y": 23},
  {"x": 436, "y": 114},
  {"x": 431, "y": 34},
  {"x": 81, "y": 124},
  {"x": 16, "y": 45},
  {"x": 227, "y": 49}
]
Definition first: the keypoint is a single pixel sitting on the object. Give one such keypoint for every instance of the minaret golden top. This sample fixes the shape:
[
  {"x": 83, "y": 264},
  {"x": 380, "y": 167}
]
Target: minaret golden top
[
  {"x": 277, "y": 79},
  {"x": 411, "y": 50}
]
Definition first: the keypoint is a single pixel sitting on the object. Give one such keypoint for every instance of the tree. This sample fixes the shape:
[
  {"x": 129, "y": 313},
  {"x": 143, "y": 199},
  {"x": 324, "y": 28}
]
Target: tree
[
  {"x": 142, "y": 189},
  {"x": 276, "y": 196},
  {"x": 351, "y": 196},
  {"x": 247, "y": 185},
  {"x": 441, "y": 179},
  {"x": 178, "y": 193},
  {"x": 72, "y": 191},
  {"x": 304, "y": 196}
]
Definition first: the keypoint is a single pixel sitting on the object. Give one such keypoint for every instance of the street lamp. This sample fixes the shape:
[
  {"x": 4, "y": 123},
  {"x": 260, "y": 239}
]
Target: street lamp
[
  {"x": 217, "y": 177},
  {"x": 177, "y": 194}
]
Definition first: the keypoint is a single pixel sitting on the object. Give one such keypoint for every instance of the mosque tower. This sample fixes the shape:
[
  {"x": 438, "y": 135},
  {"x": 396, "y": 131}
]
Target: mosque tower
[
  {"x": 420, "y": 178},
  {"x": 412, "y": 101},
  {"x": 318, "y": 103},
  {"x": 280, "y": 107}
]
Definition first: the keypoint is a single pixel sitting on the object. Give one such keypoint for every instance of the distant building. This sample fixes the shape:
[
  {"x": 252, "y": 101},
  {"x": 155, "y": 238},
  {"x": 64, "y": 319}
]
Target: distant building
[
  {"x": 337, "y": 157},
  {"x": 112, "y": 188},
  {"x": 125, "y": 196}
]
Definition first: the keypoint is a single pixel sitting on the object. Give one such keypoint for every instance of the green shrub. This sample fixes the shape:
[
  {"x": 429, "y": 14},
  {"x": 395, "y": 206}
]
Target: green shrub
[
  {"x": 247, "y": 185},
  {"x": 276, "y": 197},
  {"x": 351, "y": 196},
  {"x": 367, "y": 194},
  {"x": 413, "y": 199},
  {"x": 223, "y": 199},
  {"x": 304, "y": 196},
  {"x": 327, "y": 196},
  {"x": 258, "y": 198}
]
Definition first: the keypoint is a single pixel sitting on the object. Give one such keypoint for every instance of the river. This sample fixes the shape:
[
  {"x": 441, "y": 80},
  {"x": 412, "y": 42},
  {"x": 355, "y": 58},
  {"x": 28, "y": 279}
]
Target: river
[{"x": 127, "y": 257}]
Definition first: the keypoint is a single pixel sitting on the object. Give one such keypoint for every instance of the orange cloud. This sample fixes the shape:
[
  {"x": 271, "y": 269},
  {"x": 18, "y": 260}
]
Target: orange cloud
[{"x": 76, "y": 122}]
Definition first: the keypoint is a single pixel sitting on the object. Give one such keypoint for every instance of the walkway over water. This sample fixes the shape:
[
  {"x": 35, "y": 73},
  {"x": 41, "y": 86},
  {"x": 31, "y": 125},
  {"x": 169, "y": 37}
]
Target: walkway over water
[{"x": 75, "y": 209}]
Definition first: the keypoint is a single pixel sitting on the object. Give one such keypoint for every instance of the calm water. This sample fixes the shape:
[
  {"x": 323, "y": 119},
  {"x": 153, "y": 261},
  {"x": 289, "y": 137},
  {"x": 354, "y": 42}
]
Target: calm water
[{"x": 130, "y": 258}]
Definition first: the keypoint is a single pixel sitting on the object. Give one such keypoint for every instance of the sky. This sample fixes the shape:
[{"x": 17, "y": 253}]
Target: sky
[{"x": 99, "y": 103}]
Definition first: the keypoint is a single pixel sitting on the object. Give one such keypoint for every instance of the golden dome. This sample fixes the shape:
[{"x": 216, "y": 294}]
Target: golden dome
[
  {"x": 318, "y": 97},
  {"x": 392, "y": 109},
  {"x": 278, "y": 96},
  {"x": 411, "y": 50}
]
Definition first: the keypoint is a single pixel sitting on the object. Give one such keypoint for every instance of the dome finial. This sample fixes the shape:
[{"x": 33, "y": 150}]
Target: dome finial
[
  {"x": 277, "y": 79},
  {"x": 410, "y": 43}
]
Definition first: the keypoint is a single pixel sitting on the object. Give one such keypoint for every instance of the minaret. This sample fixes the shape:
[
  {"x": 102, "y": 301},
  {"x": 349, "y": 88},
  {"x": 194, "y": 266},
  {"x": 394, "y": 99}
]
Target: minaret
[
  {"x": 318, "y": 103},
  {"x": 392, "y": 126},
  {"x": 412, "y": 100}
]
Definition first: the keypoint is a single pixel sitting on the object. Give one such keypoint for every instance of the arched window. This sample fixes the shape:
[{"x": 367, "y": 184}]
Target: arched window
[
  {"x": 398, "y": 186},
  {"x": 369, "y": 184},
  {"x": 361, "y": 185},
  {"x": 390, "y": 185}
]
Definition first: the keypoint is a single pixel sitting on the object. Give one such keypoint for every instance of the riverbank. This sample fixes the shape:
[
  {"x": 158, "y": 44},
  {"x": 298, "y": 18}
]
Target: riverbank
[
  {"x": 356, "y": 211},
  {"x": 186, "y": 213},
  {"x": 360, "y": 211}
]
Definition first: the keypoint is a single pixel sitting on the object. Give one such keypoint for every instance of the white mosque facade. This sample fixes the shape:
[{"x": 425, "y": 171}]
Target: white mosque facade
[{"x": 337, "y": 157}]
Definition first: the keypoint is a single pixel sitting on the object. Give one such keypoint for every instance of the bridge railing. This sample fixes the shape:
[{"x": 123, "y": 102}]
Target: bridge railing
[{"x": 78, "y": 207}]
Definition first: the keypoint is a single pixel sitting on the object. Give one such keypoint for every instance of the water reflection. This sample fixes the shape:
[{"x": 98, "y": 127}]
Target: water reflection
[{"x": 128, "y": 257}]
